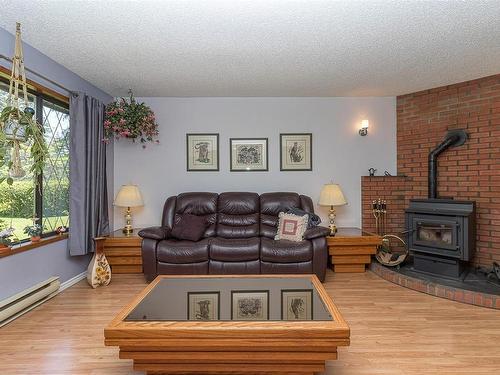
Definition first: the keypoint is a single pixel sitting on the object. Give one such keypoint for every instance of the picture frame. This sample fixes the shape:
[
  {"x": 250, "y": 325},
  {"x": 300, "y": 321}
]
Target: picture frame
[
  {"x": 296, "y": 152},
  {"x": 202, "y": 152},
  {"x": 250, "y": 305},
  {"x": 203, "y": 306},
  {"x": 249, "y": 154},
  {"x": 297, "y": 304}
]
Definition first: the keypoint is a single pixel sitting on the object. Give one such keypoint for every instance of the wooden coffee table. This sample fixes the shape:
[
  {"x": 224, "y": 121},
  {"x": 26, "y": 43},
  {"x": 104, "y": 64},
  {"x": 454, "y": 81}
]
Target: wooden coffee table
[{"x": 155, "y": 332}]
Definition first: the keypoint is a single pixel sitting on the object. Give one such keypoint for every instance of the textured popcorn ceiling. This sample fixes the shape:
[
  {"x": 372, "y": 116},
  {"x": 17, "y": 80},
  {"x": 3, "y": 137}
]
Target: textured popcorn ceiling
[{"x": 264, "y": 48}]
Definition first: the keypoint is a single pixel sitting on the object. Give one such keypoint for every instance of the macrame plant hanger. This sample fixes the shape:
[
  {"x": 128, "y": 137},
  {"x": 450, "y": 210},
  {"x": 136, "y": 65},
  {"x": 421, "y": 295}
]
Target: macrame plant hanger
[{"x": 17, "y": 78}]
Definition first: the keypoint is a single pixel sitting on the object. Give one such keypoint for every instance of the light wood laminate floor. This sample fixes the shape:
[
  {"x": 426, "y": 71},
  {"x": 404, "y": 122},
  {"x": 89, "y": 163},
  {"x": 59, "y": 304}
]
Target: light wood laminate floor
[{"x": 393, "y": 331}]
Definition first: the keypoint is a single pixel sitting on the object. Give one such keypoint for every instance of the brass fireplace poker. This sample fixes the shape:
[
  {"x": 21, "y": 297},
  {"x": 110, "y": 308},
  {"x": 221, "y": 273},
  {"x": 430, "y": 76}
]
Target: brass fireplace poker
[{"x": 379, "y": 210}]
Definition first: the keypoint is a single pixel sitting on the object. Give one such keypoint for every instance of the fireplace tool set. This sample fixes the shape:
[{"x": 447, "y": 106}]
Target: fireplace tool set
[
  {"x": 379, "y": 210},
  {"x": 393, "y": 251}
]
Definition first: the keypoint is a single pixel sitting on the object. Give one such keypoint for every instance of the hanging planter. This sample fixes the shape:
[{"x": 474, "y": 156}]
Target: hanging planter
[
  {"x": 130, "y": 119},
  {"x": 18, "y": 129}
]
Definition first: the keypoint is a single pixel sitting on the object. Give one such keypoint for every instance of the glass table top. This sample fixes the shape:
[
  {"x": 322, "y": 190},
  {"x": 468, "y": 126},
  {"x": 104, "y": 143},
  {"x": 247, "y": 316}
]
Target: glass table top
[{"x": 232, "y": 298}]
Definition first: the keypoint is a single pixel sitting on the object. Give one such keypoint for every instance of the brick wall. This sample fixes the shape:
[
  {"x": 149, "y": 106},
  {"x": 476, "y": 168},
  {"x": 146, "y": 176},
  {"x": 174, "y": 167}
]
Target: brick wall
[
  {"x": 471, "y": 171},
  {"x": 391, "y": 189}
]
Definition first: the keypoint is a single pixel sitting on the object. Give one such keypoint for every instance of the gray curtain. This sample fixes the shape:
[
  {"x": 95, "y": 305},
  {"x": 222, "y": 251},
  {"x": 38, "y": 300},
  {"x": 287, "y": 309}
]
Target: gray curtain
[{"x": 88, "y": 208}]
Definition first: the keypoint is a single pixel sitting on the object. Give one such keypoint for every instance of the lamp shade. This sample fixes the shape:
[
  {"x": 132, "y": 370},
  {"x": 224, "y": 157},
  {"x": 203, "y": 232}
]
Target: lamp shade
[
  {"x": 129, "y": 196},
  {"x": 331, "y": 195}
]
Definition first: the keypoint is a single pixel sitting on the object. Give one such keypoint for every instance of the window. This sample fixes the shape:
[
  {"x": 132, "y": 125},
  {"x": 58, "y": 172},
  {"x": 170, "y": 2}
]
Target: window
[{"x": 49, "y": 203}]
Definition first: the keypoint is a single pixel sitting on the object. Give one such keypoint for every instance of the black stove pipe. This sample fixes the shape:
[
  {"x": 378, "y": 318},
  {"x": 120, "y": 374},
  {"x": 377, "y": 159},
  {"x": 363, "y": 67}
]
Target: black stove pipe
[{"x": 453, "y": 138}]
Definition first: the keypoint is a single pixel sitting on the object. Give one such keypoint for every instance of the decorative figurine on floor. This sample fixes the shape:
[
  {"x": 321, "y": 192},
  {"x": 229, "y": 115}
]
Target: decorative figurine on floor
[{"x": 99, "y": 272}]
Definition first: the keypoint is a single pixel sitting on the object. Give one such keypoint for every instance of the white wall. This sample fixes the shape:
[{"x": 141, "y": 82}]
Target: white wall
[{"x": 339, "y": 153}]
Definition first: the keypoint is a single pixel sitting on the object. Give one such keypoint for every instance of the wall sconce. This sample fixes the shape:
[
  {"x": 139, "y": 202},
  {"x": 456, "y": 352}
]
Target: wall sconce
[{"x": 364, "y": 128}]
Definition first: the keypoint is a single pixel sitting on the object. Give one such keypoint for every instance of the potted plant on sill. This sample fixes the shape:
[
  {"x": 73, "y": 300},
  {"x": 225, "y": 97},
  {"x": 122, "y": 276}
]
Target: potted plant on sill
[
  {"x": 5, "y": 238},
  {"x": 34, "y": 231}
]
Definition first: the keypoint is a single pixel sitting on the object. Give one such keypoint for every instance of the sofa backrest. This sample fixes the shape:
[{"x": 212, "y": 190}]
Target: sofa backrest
[
  {"x": 271, "y": 204},
  {"x": 199, "y": 204},
  {"x": 235, "y": 214},
  {"x": 238, "y": 215}
]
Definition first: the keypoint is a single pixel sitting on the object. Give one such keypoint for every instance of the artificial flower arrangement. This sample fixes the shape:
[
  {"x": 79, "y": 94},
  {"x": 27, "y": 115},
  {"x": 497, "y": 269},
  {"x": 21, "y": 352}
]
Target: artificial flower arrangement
[
  {"x": 130, "y": 119},
  {"x": 34, "y": 231}
]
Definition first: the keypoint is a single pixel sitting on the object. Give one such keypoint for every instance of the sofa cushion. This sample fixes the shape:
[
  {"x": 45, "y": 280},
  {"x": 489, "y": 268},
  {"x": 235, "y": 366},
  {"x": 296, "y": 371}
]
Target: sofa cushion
[
  {"x": 217, "y": 267},
  {"x": 200, "y": 268},
  {"x": 313, "y": 221},
  {"x": 238, "y": 215},
  {"x": 178, "y": 252},
  {"x": 291, "y": 227},
  {"x": 286, "y": 268},
  {"x": 189, "y": 227},
  {"x": 285, "y": 251},
  {"x": 234, "y": 250},
  {"x": 199, "y": 204},
  {"x": 271, "y": 204}
]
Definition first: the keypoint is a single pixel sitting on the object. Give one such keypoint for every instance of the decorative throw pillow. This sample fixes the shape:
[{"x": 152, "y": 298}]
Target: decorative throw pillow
[
  {"x": 314, "y": 220},
  {"x": 291, "y": 227},
  {"x": 189, "y": 227}
]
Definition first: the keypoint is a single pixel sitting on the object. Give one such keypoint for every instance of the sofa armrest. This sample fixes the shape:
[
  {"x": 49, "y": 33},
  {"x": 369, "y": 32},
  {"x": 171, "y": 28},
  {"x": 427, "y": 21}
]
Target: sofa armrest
[
  {"x": 316, "y": 232},
  {"x": 155, "y": 233},
  {"x": 149, "y": 258},
  {"x": 320, "y": 257}
]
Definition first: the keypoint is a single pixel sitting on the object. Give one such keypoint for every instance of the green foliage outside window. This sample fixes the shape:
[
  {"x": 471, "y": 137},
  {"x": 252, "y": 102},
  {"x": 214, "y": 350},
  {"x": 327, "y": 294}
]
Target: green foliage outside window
[{"x": 18, "y": 202}]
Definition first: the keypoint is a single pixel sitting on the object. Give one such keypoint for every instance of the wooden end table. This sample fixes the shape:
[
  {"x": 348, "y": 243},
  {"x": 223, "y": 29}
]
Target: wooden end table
[
  {"x": 124, "y": 252},
  {"x": 351, "y": 249}
]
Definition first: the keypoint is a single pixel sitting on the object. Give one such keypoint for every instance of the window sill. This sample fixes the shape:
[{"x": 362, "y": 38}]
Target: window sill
[{"x": 31, "y": 245}]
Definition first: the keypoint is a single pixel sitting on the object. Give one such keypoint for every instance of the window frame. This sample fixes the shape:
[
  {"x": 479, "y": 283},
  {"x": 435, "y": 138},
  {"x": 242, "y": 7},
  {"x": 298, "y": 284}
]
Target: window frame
[{"x": 40, "y": 94}]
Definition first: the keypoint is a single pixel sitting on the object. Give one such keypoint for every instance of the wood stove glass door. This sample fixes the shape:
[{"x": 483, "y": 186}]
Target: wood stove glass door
[{"x": 435, "y": 233}]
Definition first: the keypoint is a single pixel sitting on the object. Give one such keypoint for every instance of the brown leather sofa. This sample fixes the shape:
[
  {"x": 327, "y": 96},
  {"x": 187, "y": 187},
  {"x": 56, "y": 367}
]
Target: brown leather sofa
[{"x": 238, "y": 240}]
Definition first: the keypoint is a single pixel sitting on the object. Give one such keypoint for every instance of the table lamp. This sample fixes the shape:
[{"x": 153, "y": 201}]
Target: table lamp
[
  {"x": 331, "y": 195},
  {"x": 128, "y": 196}
]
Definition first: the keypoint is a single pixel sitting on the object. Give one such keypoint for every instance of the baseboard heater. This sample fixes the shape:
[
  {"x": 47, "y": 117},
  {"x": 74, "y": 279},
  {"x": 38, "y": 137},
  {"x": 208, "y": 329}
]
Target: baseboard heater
[{"x": 28, "y": 299}]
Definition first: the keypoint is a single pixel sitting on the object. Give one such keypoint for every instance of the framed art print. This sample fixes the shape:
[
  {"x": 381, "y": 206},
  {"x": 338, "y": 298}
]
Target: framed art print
[
  {"x": 248, "y": 154},
  {"x": 250, "y": 305},
  {"x": 296, "y": 152},
  {"x": 203, "y": 306},
  {"x": 297, "y": 304},
  {"x": 202, "y": 152}
]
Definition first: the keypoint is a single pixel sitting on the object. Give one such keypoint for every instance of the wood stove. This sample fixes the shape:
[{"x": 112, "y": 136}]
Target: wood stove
[
  {"x": 442, "y": 235},
  {"x": 441, "y": 232}
]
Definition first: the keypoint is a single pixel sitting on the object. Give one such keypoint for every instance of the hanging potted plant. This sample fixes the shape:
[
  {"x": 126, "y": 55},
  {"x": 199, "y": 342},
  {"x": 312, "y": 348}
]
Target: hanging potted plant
[
  {"x": 130, "y": 119},
  {"x": 34, "y": 231},
  {"x": 6, "y": 235},
  {"x": 12, "y": 118},
  {"x": 18, "y": 128}
]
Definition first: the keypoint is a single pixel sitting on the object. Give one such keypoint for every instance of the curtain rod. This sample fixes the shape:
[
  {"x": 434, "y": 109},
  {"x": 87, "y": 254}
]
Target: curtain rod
[{"x": 40, "y": 75}]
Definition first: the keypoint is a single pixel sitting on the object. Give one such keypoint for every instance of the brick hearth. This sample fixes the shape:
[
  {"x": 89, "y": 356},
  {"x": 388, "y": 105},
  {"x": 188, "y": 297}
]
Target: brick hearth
[{"x": 438, "y": 290}]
